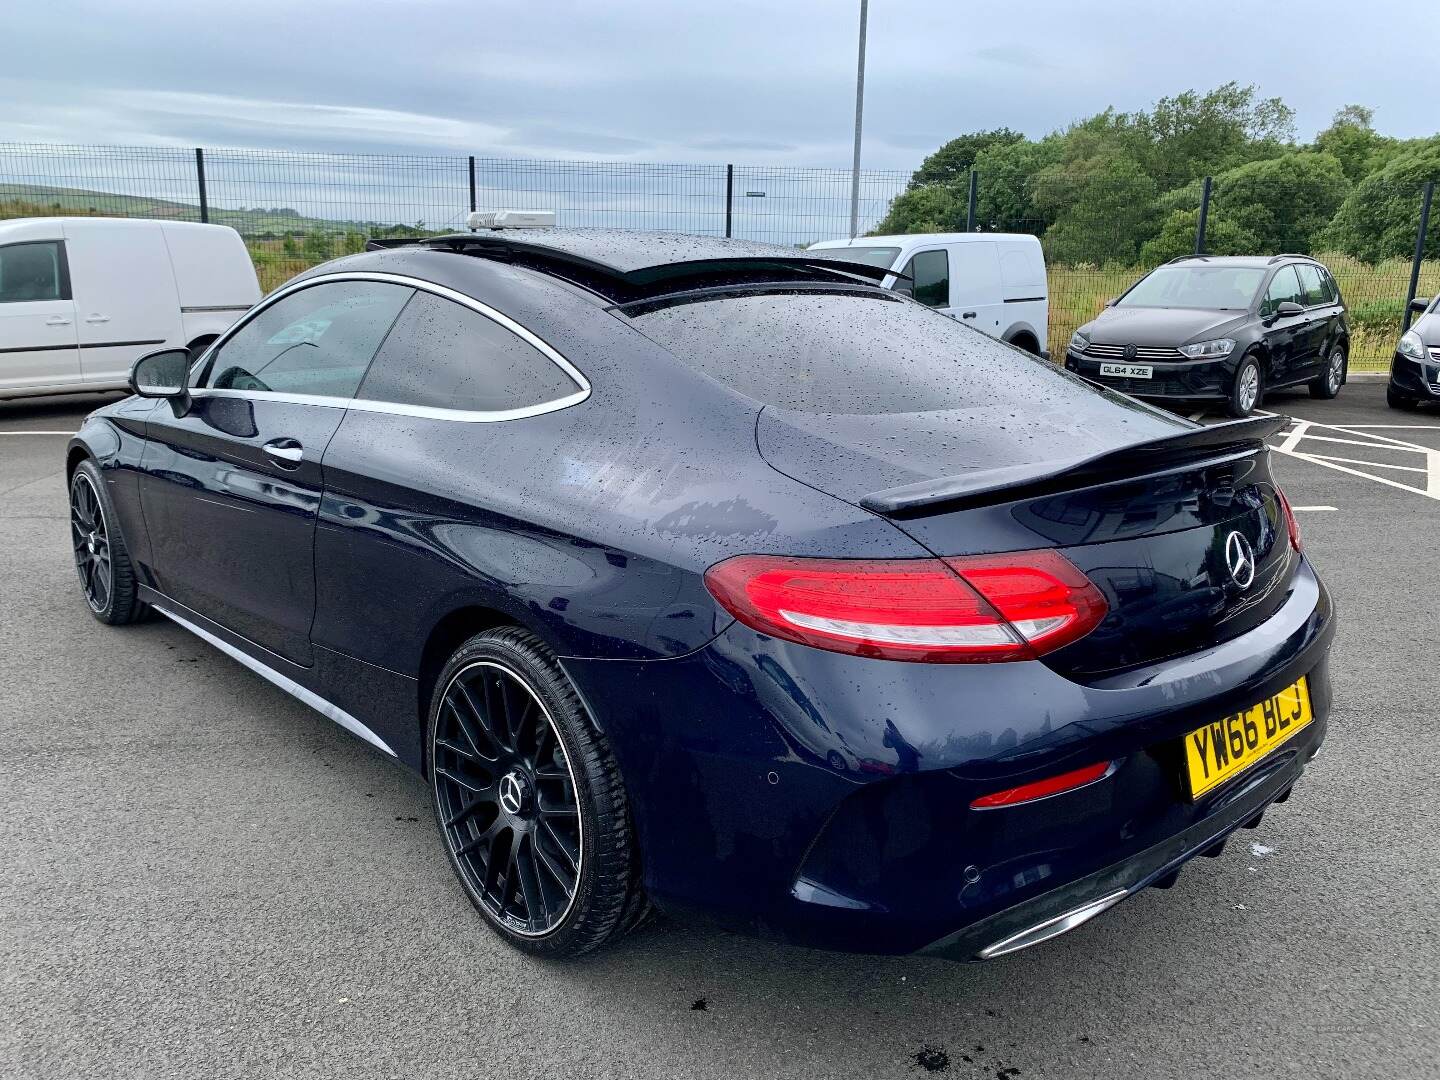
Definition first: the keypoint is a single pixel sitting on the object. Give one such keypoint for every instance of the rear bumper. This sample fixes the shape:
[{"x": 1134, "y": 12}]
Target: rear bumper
[
  {"x": 1072, "y": 905},
  {"x": 1415, "y": 379},
  {"x": 1199, "y": 380},
  {"x": 824, "y": 799}
]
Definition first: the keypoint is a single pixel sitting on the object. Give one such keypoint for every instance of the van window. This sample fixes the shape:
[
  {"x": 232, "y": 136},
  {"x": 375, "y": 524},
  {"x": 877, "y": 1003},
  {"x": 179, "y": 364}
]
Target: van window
[
  {"x": 316, "y": 342},
  {"x": 870, "y": 256},
  {"x": 929, "y": 272},
  {"x": 33, "y": 271},
  {"x": 444, "y": 356}
]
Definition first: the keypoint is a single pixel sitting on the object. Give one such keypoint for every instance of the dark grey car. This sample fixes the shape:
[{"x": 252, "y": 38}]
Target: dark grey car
[{"x": 1415, "y": 370}]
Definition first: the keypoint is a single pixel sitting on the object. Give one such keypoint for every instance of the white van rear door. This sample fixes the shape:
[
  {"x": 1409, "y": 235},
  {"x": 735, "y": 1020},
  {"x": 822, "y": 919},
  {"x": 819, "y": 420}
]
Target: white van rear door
[
  {"x": 975, "y": 285},
  {"x": 37, "y": 318},
  {"x": 125, "y": 299}
]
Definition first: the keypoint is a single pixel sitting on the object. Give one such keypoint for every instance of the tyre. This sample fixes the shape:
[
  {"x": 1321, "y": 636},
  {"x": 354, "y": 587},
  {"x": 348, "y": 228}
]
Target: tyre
[
  {"x": 528, "y": 799},
  {"x": 1327, "y": 384},
  {"x": 107, "y": 577},
  {"x": 1246, "y": 388},
  {"x": 1400, "y": 401}
]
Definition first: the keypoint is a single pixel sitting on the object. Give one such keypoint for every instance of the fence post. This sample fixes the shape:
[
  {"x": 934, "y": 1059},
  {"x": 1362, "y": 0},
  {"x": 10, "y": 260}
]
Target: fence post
[
  {"x": 472, "y": 183},
  {"x": 729, "y": 200},
  {"x": 200, "y": 181},
  {"x": 1204, "y": 217},
  {"x": 1425, "y": 201},
  {"x": 970, "y": 206}
]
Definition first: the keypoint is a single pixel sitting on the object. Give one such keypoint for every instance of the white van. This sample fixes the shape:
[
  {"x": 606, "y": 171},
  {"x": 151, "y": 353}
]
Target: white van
[
  {"x": 82, "y": 298},
  {"x": 994, "y": 282}
]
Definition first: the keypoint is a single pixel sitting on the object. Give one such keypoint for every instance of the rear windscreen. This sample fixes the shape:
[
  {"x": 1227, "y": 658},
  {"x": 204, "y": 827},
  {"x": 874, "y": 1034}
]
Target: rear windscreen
[{"x": 846, "y": 352}]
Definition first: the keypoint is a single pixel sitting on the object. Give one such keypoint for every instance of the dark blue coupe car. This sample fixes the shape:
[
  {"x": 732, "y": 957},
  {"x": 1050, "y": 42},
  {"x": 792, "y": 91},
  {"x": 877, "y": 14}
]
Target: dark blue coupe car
[{"x": 711, "y": 577}]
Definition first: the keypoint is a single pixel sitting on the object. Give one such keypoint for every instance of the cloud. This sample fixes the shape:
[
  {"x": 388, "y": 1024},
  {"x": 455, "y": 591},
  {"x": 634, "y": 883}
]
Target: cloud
[{"x": 753, "y": 82}]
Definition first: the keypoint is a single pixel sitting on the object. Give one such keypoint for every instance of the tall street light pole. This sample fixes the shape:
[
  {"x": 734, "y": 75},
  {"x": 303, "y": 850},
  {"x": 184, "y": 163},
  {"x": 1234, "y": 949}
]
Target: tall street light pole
[{"x": 859, "y": 111}]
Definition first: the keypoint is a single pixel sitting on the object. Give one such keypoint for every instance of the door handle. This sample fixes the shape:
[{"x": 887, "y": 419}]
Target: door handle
[
  {"x": 57, "y": 320},
  {"x": 97, "y": 318},
  {"x": 967, "y": 314},
  {"x": 287, "y": 453}
]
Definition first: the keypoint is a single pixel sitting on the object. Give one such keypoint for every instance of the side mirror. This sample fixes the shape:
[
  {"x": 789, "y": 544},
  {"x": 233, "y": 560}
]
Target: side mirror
[
  {"x": 1288, "y": 309},
  {"x": 1420, "y": 303},
  {"x": 163, "y": 374}
]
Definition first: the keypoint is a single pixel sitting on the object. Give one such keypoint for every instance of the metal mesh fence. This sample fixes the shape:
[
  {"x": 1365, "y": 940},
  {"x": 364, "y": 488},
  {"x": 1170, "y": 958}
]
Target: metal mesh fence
[{"x": 1100, "y": 234}]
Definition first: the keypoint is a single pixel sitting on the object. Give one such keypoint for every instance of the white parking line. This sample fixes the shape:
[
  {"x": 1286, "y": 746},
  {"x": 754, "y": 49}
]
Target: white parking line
[
  {"x": 1297, "y": 440},
  {"x": 1311, "y": 509},
  {"x": 37, "y": 433}
]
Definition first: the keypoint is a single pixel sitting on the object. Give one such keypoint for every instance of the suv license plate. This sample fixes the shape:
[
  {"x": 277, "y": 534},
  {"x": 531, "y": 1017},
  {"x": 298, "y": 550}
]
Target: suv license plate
[{"x": 1127, "y": 371}]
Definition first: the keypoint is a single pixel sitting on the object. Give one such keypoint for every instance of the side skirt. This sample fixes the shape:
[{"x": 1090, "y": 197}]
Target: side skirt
[{"x": 270, "y": 675}]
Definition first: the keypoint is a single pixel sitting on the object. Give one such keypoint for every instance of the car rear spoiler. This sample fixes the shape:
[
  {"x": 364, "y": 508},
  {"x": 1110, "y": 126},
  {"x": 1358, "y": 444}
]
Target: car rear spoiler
[{"x": 1009, "y": 482}]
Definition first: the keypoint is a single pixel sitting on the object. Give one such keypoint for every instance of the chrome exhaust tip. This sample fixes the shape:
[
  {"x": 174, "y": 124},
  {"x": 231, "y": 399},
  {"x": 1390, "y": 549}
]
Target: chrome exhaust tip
[{"x": 1052, "y": 927}]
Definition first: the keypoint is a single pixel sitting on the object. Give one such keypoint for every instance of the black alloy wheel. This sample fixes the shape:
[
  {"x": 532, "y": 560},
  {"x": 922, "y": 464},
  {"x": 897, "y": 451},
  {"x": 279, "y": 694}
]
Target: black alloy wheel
[
  {"x": 107, "y": 578},
  {"x": 528, "y": 799},
  {"x": 91, "y": 540}
]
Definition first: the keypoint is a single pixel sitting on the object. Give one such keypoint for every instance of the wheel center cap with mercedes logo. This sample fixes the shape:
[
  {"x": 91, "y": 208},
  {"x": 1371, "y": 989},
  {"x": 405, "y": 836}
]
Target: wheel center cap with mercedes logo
[
  {"x": 1240, "y": 559},
  {"x": 514, "y": 792}
]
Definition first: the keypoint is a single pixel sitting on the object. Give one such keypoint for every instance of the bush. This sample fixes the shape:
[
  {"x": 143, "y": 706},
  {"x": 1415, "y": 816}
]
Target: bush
[
  {"x": 1380, "y": 217},
  {"x": 1278, "y": 204},
  {"x": 1177, "y": 237}
]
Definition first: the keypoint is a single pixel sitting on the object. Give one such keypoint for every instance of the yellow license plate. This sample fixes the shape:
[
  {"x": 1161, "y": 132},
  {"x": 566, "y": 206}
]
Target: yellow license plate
[{"x": 1228, "y": 746}]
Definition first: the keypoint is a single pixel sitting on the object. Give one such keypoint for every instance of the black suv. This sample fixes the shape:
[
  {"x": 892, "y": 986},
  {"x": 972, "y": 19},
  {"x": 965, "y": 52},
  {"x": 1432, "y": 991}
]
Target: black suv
[{"x": 1220, "y": 328}]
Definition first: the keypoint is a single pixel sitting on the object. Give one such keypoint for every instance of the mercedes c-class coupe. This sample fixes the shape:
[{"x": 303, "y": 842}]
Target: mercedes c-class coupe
[{"x": 710, "y": 577}]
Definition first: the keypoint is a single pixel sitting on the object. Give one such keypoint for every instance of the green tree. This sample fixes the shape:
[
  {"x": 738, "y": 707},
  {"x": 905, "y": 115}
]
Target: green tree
[
  {"x": 1281, "y": 203},
  {"x": 318, "y": 246},
  {"x": 1005, "y": 200},
  {"x": 1352, "y": 140},
  {"x": 1177, "y": 237},
  {"x": 951, "y": 164},
  {"x": 933, "y": 208},
  {"x": 289, "y": 247},
  {"x": 1192, "y": 134},
  {"x": 1379, "y": 218},
  {"x": 1103, "y": 209}
]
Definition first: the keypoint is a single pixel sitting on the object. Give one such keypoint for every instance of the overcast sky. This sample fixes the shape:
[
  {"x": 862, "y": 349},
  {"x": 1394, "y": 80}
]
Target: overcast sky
[{"x": 649, "y": 80}]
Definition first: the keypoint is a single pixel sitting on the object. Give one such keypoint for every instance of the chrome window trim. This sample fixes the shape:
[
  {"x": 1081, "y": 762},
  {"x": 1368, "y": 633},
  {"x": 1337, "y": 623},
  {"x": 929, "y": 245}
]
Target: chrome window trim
[{"x": 428, "y": 412}]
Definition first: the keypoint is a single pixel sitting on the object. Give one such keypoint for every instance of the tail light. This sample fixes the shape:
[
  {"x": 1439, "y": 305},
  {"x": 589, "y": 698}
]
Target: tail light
[
  {"x": 1290, "y": 522},
  {"x": 972, "y": 609}
]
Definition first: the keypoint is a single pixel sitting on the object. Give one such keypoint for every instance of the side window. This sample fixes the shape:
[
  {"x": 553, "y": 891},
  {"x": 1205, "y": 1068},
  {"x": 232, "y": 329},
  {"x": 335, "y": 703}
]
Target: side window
[
  {"x": 317, "y": 341},
  {"x": 1314, "y": 285},
  {"x": 930, "y": 278},
  {"x": 34, "y": 271},
  {"x": 1284, "y": 286},
  {"x": 444, "y": 356},
  {"x": 1331, "y": 287}
]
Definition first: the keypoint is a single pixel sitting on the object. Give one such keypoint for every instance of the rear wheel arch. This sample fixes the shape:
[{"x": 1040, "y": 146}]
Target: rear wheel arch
[
  {"x": 447, "y": 635},
  {"x": 1024, "y": 339},
  {"x": 73, "y": 458}
]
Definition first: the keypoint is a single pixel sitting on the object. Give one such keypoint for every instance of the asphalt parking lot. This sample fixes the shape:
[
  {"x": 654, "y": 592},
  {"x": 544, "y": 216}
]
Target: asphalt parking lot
[{"x": 204, "y": 878}]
